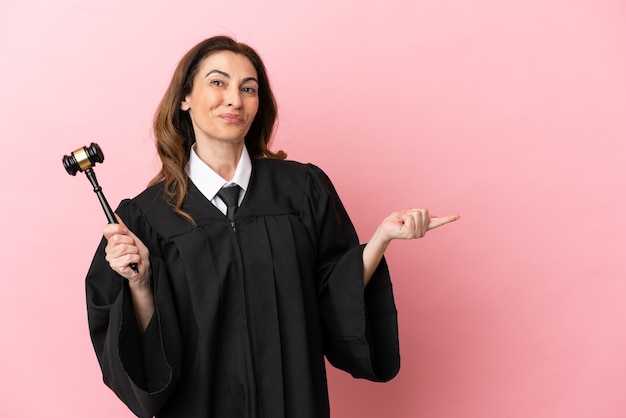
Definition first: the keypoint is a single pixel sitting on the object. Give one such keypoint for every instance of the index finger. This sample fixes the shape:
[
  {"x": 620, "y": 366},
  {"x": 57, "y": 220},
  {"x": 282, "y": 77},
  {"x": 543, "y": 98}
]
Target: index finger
[
  {"x": 112, "y": 229},
  {"x": 120, "y": 221},
  {"x": 436, "y": 222},
  {"x": 116, "y": 228}
]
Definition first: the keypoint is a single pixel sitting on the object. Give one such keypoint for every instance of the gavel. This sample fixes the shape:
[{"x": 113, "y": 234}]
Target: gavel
[{"x": 83, "y": 159}]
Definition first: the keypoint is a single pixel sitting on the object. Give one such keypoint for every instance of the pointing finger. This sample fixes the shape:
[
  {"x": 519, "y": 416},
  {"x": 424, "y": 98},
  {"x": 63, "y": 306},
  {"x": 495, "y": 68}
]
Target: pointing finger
[
  {"x": 120, "y": 221},
  {"x": 436, "y": 222}
]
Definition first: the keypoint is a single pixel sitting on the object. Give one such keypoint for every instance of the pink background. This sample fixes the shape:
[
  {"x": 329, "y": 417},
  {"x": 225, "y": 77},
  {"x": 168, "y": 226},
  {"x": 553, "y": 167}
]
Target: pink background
[{"x": 511, "y": 113}]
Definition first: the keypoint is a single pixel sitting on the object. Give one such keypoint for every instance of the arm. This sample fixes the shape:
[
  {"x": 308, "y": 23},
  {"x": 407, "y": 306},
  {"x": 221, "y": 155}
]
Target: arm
[
  {"x": 140, "y": 364},
  {"x": 408, "y": 224},
  {"x": 359, "y": 324},
  {"x": 124, "y": 248}
]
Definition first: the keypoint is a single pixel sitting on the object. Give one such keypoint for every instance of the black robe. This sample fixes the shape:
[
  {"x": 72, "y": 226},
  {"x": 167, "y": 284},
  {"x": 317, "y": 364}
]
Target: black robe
[{"x": 243, "y": 319}]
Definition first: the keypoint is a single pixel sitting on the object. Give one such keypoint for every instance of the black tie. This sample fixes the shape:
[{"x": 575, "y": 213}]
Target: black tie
[{"x": 230, "y": 196}]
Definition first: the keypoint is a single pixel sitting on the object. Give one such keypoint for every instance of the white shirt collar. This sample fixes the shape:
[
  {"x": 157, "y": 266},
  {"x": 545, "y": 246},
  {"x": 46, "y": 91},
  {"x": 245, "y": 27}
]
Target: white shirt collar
[{"x": 209, "y": 182}]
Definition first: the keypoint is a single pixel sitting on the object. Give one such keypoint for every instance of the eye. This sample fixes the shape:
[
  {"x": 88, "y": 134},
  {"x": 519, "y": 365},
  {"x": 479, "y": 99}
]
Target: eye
[
  {"x": 248, "y": 90},
  {"x": 216, "y": 83}
]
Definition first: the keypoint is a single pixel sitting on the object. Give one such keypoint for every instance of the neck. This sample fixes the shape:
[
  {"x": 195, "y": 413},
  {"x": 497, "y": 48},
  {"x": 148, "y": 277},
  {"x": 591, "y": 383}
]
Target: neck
[{"x": 222, "y": 157}]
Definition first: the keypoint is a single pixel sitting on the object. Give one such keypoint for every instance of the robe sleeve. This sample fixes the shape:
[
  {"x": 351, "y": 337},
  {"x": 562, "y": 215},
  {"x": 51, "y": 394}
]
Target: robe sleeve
[
  {"x": 359, "y": 324},
  {"x": 142, "y": 371}
]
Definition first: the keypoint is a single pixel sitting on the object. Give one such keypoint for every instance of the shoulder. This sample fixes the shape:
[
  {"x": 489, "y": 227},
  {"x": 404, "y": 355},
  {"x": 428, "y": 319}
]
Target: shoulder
[
  {"x": 294, "y": 178},
  {"x": 151, "y": 208},
  {"x": 279, "y": 166},
  {"x": 152, "y": 201},
  {"x": 150, "y": 197},
  {"x": 288, "y": 169}
]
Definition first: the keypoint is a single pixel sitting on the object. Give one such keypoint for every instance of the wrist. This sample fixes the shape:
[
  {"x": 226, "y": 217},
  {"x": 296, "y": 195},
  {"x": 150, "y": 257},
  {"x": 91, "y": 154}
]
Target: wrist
[
  {"x": 142, "y": 284},
  {"x": 379, "y": 239}
]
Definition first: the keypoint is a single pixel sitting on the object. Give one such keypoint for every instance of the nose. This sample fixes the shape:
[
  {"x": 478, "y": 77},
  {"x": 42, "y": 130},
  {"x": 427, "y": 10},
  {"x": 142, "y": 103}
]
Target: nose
[{"x": 233, "y": 97}]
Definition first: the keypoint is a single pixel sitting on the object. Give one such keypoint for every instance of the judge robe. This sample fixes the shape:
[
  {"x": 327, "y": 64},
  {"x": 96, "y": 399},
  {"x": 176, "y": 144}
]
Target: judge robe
[{"x": 244, "y": 317}]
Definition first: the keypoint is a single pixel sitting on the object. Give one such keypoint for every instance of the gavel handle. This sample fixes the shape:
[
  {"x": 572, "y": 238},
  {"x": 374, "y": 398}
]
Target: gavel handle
[{"x": 91, "y": 175}]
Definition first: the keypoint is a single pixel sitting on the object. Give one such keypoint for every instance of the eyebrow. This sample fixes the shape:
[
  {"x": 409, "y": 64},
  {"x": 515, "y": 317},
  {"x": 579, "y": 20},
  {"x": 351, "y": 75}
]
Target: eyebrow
[{"x": 225, "y": 74}]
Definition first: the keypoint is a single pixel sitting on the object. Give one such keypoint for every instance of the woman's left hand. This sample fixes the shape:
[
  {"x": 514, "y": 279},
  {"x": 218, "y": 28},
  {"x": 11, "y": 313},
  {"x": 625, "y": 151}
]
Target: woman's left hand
[
  {"x": 407, "y": 224},
  {"x": 411, "y": 223}
]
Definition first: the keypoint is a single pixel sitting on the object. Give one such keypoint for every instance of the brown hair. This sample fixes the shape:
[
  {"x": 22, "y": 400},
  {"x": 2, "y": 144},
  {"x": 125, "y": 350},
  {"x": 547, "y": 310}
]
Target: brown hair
[{"x": 173, "y": 128}]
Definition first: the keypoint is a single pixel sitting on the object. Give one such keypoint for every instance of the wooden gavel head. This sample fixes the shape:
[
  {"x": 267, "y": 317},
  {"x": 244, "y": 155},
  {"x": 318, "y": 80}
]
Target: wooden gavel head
[{"x": 83, "y": 158}]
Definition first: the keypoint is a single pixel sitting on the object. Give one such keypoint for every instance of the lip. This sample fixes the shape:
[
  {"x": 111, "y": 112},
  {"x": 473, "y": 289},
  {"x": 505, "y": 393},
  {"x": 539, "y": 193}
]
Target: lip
[{"x": 231, "y": 117}]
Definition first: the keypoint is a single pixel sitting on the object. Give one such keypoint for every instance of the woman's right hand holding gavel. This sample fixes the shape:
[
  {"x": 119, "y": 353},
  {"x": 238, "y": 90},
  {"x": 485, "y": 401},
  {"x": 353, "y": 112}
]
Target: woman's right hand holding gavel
[{"x": 123, "y": 249}]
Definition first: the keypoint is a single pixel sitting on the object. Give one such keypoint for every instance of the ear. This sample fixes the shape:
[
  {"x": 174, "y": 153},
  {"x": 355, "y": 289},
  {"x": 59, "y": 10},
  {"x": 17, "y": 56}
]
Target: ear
[{"x": 184, "y": 106}]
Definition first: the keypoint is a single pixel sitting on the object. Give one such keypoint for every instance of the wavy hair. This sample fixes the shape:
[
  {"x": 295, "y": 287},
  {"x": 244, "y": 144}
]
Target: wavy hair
[{"x": 173, "y": 128}]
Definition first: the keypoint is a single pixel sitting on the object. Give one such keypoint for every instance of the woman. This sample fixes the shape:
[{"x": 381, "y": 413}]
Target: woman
[{"x": 235, "y": 304}]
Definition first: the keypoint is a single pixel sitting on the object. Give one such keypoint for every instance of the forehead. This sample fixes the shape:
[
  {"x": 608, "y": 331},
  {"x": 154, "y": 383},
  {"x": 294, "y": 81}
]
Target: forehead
[{"x": 236, "y": 65}]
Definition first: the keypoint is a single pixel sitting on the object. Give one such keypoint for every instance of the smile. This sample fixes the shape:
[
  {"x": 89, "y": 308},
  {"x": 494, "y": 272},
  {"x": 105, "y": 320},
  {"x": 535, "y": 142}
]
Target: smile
[{"x": 231, "y": 118}]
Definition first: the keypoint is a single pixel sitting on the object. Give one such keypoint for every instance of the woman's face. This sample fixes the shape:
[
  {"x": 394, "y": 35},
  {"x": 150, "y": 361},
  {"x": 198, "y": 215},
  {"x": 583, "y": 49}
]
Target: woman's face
[{"x": 224, "y": 99}]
